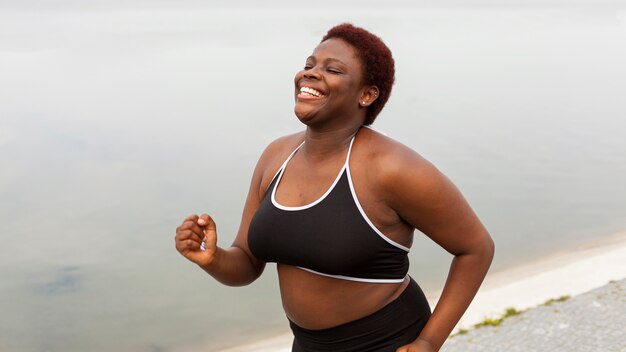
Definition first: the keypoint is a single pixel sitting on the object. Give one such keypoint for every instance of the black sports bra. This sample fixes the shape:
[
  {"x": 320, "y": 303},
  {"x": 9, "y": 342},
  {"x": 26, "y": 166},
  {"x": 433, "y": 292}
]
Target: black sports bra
[{"x": 331, "y": 236}]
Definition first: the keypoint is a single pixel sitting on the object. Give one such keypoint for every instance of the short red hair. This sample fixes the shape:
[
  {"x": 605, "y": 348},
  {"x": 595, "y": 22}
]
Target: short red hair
[{"x": 378, "y": 64}]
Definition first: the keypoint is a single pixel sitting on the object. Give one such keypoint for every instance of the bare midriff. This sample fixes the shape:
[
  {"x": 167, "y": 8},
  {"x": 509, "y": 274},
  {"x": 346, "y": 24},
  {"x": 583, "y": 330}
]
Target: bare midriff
[{"x": 317, "y": 302}]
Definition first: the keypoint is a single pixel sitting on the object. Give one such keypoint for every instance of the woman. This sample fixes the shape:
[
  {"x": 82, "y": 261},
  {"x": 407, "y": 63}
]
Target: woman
[{"x": 336, "y": 207}]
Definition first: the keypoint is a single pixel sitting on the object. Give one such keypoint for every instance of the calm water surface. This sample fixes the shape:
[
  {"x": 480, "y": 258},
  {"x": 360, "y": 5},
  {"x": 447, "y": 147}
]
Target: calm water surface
[{"x": 116, "y": 124}]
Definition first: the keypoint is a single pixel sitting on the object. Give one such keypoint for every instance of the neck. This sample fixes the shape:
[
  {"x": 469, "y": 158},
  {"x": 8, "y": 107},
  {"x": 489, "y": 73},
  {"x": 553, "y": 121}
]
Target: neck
[{"x": 322, "y": 144}]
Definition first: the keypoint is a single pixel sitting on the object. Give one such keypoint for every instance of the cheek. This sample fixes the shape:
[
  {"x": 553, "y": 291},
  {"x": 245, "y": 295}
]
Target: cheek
[
  {"x": 348, "y": 87},
  {"x": 298, "y": 77}
]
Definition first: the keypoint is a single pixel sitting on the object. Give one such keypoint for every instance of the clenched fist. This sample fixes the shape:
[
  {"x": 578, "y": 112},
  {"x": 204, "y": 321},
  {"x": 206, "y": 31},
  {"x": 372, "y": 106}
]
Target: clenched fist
[{"x": 196, "y": 239}]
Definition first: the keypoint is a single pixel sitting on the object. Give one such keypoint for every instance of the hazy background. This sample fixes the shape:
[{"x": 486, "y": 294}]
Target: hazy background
[{"x": 120, "y": 118}]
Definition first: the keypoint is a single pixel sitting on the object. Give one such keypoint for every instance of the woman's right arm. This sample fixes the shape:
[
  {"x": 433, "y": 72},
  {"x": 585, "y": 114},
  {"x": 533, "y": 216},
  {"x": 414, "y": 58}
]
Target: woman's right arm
[{"x": 234, "y": 266}]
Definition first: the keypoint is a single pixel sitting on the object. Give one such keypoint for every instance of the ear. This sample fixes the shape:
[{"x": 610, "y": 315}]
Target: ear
[{"x": 369, "y": 95}]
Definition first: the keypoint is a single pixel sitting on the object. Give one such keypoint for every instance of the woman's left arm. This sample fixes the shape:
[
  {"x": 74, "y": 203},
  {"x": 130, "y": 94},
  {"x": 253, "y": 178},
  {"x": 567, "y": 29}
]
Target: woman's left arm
[{"x": 426, "y": 199}]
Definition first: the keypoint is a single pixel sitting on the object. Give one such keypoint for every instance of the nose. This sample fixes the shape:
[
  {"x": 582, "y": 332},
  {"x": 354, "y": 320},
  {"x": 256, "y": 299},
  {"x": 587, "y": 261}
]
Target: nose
[{"x": 312, "y": 73}]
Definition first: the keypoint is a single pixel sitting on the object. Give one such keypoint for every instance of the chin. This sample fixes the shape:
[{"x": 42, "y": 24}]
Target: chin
[{"x": 304, "y": 116}]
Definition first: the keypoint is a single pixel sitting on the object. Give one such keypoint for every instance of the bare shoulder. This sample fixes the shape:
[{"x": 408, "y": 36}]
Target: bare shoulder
[
  {"x": 388, "y": 158},
  {"x": 280, "y": 143},
  {"x": 275, "y": 154},
  {"x": 396, "y": 173}
]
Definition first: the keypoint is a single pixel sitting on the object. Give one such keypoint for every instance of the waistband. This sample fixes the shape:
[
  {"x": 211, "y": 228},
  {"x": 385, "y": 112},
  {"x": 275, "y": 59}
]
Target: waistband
[{"x": 397, "y": 323}]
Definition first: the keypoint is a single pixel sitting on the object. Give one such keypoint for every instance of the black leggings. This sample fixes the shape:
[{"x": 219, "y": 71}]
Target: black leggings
[{"x": 395, "y": 325}]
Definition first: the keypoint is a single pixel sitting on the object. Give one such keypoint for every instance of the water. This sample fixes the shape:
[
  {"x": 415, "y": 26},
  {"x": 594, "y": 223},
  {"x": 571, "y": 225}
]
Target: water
[{"x": 116, "y": 123}]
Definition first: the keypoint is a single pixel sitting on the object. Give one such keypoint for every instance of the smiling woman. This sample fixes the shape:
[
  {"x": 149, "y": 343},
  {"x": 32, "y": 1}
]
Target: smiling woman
[
  {"x": 359, "y": 55},
  {"x": 331, "y": 80},
  {"x": 336, "y": 206}
]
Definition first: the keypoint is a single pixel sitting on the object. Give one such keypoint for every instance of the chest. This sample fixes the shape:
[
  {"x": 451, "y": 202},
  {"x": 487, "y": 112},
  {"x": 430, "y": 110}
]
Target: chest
[
  {"x": 329, "y": 236},
  {"x": 301, "y": 184}
]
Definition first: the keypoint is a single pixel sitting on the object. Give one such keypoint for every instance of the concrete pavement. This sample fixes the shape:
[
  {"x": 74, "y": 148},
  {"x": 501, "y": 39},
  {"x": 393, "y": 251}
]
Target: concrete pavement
[{"x": 594, "y": 321}]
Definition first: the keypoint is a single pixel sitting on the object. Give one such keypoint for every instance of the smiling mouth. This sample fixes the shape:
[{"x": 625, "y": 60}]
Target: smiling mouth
[{"x": 308, "y": 91}]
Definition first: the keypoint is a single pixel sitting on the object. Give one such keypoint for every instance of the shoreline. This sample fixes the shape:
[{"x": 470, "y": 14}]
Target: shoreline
[{"x": 569, "y": 272}]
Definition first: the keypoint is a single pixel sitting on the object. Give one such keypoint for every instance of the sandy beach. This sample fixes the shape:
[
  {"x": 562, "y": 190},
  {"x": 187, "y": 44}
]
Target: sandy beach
[{"x": 570, "y": 272}]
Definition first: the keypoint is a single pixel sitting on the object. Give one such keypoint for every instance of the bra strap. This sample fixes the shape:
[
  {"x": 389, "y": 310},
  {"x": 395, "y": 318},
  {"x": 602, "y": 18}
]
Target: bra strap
[
  {"x": 350, "y": 150},
  {"x": 286, "y": 161}
]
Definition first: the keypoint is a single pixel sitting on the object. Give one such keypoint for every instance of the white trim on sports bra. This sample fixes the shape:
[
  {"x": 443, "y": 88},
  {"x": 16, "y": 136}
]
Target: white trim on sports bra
[
  {"x": 365, "y": 217},
  {"x": 283, "y": 165},
  {"x": 358, "y": 279},
  {"x": 281, "y": 172}
]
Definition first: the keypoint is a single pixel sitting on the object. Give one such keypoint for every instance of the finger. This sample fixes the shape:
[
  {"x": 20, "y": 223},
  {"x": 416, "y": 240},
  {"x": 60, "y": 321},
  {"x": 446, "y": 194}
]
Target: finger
[
  {"x": 193, "y": 226},
  {"x": 210, "y": 234},
  {"x": 210, "y": 228},
  {"x": 209, "y": 223},
  {"x": 185, "y": 246},
  {"x": 192, "y": 217},
  {"x": 185, "y": 235},
  {"x": 192, "y": 245},
  {"x": 203, "y": 219}
]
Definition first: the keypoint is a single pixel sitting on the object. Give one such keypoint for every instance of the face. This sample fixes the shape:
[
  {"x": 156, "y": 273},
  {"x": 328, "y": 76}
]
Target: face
[{"x": 329, "y": 88}]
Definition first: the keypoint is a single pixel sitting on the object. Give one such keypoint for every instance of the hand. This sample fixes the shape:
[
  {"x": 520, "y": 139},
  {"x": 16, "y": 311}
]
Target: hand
[
  {"x": 419, "y": 345},
  {"x": 192, "y": 233}
]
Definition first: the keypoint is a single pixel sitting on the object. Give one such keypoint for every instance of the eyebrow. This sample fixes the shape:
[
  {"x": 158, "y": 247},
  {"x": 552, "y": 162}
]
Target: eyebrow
[{"x": 327, "y": 60}]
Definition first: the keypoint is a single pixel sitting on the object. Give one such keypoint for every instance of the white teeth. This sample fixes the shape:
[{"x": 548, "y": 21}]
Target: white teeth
[{"x": 311, "y": 91}]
